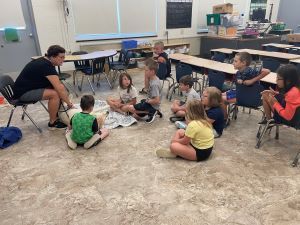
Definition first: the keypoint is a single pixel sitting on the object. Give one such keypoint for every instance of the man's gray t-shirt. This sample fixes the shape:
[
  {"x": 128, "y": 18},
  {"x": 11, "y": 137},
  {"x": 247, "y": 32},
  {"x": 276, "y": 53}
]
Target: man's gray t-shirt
[{"x": 154, "y": 91}]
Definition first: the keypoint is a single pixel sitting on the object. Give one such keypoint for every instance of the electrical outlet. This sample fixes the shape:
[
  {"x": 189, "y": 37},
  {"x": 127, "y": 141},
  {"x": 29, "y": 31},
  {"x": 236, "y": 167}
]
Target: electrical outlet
[{"x": 166, "y": 32}]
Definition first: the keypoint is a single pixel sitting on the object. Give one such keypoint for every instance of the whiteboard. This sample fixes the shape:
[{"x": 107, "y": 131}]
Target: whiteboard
[
  {"x": 108, "y": 19},
  {"x": 11, "y": 14}
]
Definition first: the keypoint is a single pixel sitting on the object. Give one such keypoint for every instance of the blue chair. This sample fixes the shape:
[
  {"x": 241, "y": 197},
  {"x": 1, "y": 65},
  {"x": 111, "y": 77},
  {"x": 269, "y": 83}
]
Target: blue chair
[
  {"x": 271, "y": 64},
  {"x": 96, "y": 68},
  {"x": 263, "y": 128},
  {"x": 271, "y": 48},
  {"x": 219, "y": 56},
  {"x": 163, "y": 75},
  {"x": 216, "y": 79},
  {"x": 80, "y": 64},
  {"x": 295, "y": 51},
  {"x": 121, "y": 65},
  {"x": 247, "y": 97},
  {"x": 181, "y": 70}
]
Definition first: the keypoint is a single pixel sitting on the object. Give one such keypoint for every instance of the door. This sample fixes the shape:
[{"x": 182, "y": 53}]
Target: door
[
  {"x": 289, "y": 14},
  {"x": 15, "y": 55}
]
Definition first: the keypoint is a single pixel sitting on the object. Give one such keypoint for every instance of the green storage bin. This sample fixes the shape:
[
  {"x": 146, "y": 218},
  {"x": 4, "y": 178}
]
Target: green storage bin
[
  {"x": 278, "y": 26},
  {"x": 213, "y": 19}
]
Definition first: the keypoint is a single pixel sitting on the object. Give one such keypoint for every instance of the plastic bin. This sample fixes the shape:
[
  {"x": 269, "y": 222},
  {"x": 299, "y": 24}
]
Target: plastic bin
[
  {"x": 129, "y": 44},
  {"x": 213, "y": 19},
  {"x": 278, "y": 26}
]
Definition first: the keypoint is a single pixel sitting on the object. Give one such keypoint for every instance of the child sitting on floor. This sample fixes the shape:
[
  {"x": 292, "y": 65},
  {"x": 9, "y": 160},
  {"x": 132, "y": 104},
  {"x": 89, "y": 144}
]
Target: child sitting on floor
[
  {"x": 283, "y": 104},
  {"x": 196, "y": 142},
  {"x": 179, "y": 107},
  {"x": 127, "y": 93},
  {"x": 84, "y": 127},
  {"x": 149, "y": 106}
]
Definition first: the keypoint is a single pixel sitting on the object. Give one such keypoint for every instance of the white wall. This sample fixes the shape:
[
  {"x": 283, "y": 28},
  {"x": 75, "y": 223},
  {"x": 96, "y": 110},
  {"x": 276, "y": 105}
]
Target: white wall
[{"x": 53, "y": 28}]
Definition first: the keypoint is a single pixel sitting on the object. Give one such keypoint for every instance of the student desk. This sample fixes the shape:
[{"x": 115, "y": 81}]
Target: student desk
[
  {"x": 279, "y": 55},
  {"x": 223, "y": 50},
  {"x": 295, "y": 61},
  {"x": 276, "y": 45},
  {"x": 179, "y": 56},
  {"x": 223, "y": 67},
  {"x": 210, "y": 64}
]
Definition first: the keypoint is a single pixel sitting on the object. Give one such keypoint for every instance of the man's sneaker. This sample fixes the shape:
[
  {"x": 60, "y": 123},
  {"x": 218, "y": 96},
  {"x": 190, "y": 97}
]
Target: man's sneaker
[
  {"x": 180, "y": 125},
  {"x": 93, "y": 141},
  {"x": 159, "y": 113},
  {"x": 165, "y": 153},
  {"x": 56, "y": 125},
  {"x": 72, "y": 144},
  {"x": 151, "y": 117}
]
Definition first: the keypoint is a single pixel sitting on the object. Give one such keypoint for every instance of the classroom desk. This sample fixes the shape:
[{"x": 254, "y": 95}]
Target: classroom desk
[
  {"x": 210, "y": 64},
  {"x": 277, "y": 45},
  {"x": 297, "y": 61},
  {"x": 279, "y": 55},
  {"x": 222, "y": 50},
  {"x": 270, "y": 78},
  {"x": 89, "y": 56},
  {"x": 179, "y": 56}
]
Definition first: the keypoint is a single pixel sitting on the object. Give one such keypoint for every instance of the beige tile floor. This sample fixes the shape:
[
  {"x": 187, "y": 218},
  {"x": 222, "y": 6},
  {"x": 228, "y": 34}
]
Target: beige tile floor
[{"x": 121, "y": 181}]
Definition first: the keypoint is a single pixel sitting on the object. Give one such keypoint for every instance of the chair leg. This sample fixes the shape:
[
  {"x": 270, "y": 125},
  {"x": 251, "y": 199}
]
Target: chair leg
[
  {"x": 266, "y": 127},
  {"x": 44, "y": 106},
  {"x": 10, "y": 116},
  {"x": 23, "y": 114},
  {"x": 296, "y": 159},
  {"x": 91, "y": 85},
  {"x": 70, "y": 88},
  {"x": 37, "y": 127},
  {"x": 277, "y": 132},
  {"x": 80, "y": 87}
]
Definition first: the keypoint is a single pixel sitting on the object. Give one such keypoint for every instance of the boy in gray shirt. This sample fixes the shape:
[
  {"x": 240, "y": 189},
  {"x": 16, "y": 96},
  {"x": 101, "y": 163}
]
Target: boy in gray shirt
[
  {"x": 149, "y": 106},
  {"x": 179, "y": 107}
]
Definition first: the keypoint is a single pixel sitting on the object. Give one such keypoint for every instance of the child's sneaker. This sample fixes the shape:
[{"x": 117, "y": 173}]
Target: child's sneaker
[
  {"x": 93, "y": 141},
  {"x": 165, "y": 153},
  {"x": 151, "y": 118},
  {"x": 180, "y": 125},
  {"x": 72, "y": 144}
]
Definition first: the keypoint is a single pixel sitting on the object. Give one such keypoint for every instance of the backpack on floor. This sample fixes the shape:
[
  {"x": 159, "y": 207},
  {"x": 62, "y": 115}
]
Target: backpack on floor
[{"x": 9, "y": 136}]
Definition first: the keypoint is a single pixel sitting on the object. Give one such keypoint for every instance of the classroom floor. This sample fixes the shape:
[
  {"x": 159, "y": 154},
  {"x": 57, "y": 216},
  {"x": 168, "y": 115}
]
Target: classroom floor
[{"x": 121, "y": 181}]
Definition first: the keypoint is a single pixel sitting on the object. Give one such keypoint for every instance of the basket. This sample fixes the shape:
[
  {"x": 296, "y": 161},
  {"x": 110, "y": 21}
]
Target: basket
[{"x": 278, "y": 26}]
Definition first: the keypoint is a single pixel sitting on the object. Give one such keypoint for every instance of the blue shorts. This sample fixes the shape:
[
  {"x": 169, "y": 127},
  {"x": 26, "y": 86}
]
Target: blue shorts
[
  {"x": 231, "y": 94},
  {"x": 144, "y": 106}
]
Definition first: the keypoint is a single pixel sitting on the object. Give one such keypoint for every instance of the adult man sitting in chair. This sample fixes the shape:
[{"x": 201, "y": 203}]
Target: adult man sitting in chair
[{"x": 39, "y": 81}]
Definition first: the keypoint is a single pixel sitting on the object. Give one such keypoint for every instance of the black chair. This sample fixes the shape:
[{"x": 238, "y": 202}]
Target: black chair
[
  {"x": 246, "y": 97},
  {"x": 163, "y": 75},
  {"x": 96, "y": 68},
  {"x": 6, "y": 84},
  {"x": 263, "y": 128},
  {"x": 80, "y": 64},
  {"x": 270, "y": 63},
  {"x": 121, "y": 65},
  {"x": 295, "y": 51},
  {"x": 181, "y": 70}
]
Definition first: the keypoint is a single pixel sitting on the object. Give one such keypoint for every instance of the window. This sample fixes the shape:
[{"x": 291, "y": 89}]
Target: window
[{"x": 112, "y": 19}]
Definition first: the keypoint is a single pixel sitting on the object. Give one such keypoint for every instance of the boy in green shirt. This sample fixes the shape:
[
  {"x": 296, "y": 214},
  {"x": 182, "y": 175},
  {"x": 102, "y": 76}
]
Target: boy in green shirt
[{"x": 85, "y": 127}]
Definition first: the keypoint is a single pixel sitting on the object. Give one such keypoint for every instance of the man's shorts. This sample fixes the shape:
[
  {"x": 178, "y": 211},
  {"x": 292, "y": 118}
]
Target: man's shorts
[{"x": 33, "y": 95}]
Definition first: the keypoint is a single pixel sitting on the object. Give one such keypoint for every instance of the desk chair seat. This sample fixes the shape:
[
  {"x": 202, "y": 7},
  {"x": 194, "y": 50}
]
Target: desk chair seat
[
  {"x": 246, "y": 97},
  {"x": 263, "y": 128},
  {"x": 121, "y": 65},
  {"x": 6, "y": 84},
  {"x": 163, "y": 75}
]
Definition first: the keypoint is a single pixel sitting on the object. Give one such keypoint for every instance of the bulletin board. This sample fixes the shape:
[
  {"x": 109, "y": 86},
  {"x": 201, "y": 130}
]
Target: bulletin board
[{"x": 179, "y": 14}]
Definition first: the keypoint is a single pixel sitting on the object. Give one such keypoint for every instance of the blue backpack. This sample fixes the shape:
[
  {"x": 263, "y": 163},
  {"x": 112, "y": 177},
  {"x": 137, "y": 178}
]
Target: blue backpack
[{"x": 9, "y": 136}]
